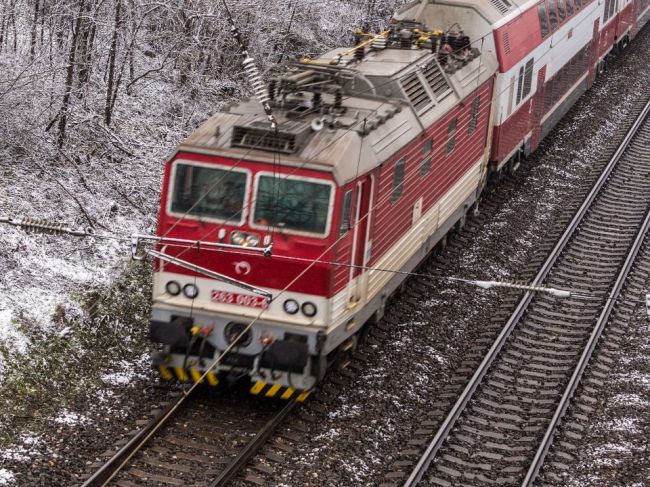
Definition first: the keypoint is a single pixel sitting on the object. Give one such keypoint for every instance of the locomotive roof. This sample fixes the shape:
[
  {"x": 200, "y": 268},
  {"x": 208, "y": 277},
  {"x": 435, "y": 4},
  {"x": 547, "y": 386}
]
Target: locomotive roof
[
  {"x": 387, "y": 62},
  {"x": 380, "y": 111}
]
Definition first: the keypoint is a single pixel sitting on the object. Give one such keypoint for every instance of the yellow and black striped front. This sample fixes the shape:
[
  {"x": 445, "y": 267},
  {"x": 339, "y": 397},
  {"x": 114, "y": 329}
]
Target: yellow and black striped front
[
  {"x": 261, "y": 388},
  {"x": 184, "y": 375}
]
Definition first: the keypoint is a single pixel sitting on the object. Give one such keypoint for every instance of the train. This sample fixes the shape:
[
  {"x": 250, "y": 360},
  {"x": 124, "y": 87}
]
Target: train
[{"x": 307, "y": 211}]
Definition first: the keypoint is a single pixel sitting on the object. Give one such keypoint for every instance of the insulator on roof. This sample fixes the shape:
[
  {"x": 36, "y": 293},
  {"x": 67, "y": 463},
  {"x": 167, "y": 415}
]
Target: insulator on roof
[
  {"x": 316, "y": 99},
  {"x": 255, "y": 80},
  {"x": 359, "y": 54},
  {"x": 405, "y": 37},
  {"x": 338, "y": 100},
  {"x": 272, "y": 87},
  {"x": 379, "y": 43}
]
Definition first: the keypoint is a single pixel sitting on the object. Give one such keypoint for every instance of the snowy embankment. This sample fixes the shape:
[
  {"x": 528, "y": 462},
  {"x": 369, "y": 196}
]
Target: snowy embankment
[
  {"x": 51, "y": 354},
  {"x": 43, "y": 276}
]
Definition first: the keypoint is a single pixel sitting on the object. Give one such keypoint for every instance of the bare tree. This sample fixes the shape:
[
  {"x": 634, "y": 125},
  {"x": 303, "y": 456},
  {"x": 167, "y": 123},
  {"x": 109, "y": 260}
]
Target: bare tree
[
  {"x": 69, "y": 78},
  {"x": 112, "y": 53},
  {"x": 32, "y": 41}
]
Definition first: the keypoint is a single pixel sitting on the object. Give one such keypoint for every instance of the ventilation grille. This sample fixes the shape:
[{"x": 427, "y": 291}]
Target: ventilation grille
[
  {"x": 437, "y": 81},
  {"x": 501, "y": 5},
  {"x": 506, "y": 42},
  {"x": 415, "y": 91},
  {"x": 260, "y": 135}
]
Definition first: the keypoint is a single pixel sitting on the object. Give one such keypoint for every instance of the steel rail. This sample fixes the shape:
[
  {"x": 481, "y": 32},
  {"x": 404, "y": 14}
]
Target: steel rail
[
  {"x": 116, "y": 463},
  {"x": 253, "y": 446},
  {"x": 560, "y": 411},
  {"x": 443, "y": 432}
]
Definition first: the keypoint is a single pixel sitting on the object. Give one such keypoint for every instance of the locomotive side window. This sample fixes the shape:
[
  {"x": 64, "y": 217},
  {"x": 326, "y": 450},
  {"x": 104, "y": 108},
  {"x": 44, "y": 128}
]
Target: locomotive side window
[
  {"x": 201, "y": 191},
  {"x": 346, "y": 211},
  {"x": 398, "y": 180},
  {"x": 451, "y": 135},
  {"x": 426, "y": 154},
  {"x": 543, "y": 20},
  {"x": 427, "y": 146},
  {"x": 426, "y": 166},
  {"x": 293, "y": 204},
  {"x": 473, "y": 119}
]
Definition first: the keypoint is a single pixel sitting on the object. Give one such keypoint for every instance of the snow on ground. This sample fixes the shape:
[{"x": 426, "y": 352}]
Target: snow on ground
[
  {"x": 6, "y": 477},
  {"x": 70, "y": 418},
  {"x": 23, "y": 451},
  {"x": 128, "y": 372}
]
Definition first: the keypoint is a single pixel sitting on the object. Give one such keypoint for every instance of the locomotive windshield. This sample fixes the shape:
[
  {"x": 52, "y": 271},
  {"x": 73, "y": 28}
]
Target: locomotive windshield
[
  {"x": 292, "y": 204},
  {"x": 208, "y": 192}
]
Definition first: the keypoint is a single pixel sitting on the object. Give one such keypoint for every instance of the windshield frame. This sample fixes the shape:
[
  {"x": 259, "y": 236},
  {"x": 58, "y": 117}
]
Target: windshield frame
[
  {"x": 229, "y": 169},
  {"x": 270, "y": 228}
]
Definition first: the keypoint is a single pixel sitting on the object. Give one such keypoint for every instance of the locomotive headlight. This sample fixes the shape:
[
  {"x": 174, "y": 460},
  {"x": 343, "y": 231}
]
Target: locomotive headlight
[
  {"x": 309, "y": 309},
  {"x": 238, "y": 238},
  {"x": 244, "y": 239},
  {"x": 291, "y": 306},
  {"x": 173, "y": 288},
  {"x": 190, "y": 291},
  {"x": 252, "y": 240}
]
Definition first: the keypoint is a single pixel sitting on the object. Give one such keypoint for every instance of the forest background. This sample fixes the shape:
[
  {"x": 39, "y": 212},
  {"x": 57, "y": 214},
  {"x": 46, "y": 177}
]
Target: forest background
[{"x": 94, "y": 96}]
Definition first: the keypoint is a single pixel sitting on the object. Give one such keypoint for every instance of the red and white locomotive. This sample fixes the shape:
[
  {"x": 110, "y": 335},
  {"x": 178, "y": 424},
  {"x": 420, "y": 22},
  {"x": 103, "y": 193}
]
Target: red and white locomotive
[{"x": 372, "y": 156}]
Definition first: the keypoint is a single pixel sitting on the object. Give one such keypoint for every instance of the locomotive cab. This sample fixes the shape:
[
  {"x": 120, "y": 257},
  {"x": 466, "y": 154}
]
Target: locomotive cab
[{"x": 196, "y": 318}]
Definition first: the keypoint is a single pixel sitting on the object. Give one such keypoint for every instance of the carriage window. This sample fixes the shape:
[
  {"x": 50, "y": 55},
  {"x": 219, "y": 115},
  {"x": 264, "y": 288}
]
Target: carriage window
[
  {"x": 207, "y": 192},
  {"x": 543, "y": 21},
  {"x": 560, "y": 10},
  {"x": 473, "y": 119},
  {"x": 346, "y": 209},
  {"x": 451, "y": 135},
  {"x": 292, "y": 204},
  {"x": 552, "y": 13},
  {"x": 610, "y": 8},
  {"x": 569, "y": 7},
  {"x": 528, "y": 78},
  {"x": 398, "y": 180},
  {"x": 525, "y": 80},
  {"x": 520, "y": 84}
]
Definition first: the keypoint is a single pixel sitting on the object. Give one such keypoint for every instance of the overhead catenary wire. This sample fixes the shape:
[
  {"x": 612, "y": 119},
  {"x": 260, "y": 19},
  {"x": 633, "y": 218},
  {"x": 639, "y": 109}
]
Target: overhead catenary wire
[{"x": 483, "y": 284}]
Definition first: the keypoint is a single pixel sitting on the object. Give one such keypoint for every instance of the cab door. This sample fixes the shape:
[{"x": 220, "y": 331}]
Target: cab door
[{"x": 361, "y": 245}]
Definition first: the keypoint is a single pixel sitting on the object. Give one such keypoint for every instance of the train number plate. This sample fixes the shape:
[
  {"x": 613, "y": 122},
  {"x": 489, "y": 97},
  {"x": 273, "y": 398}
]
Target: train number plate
[{"x": 249, "y": 300}]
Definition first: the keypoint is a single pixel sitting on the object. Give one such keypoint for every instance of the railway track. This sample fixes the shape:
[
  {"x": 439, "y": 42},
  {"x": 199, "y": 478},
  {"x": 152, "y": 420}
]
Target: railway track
[
  {"x": 503, "y": 424},
  {"x": 194, "y": 441}
]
